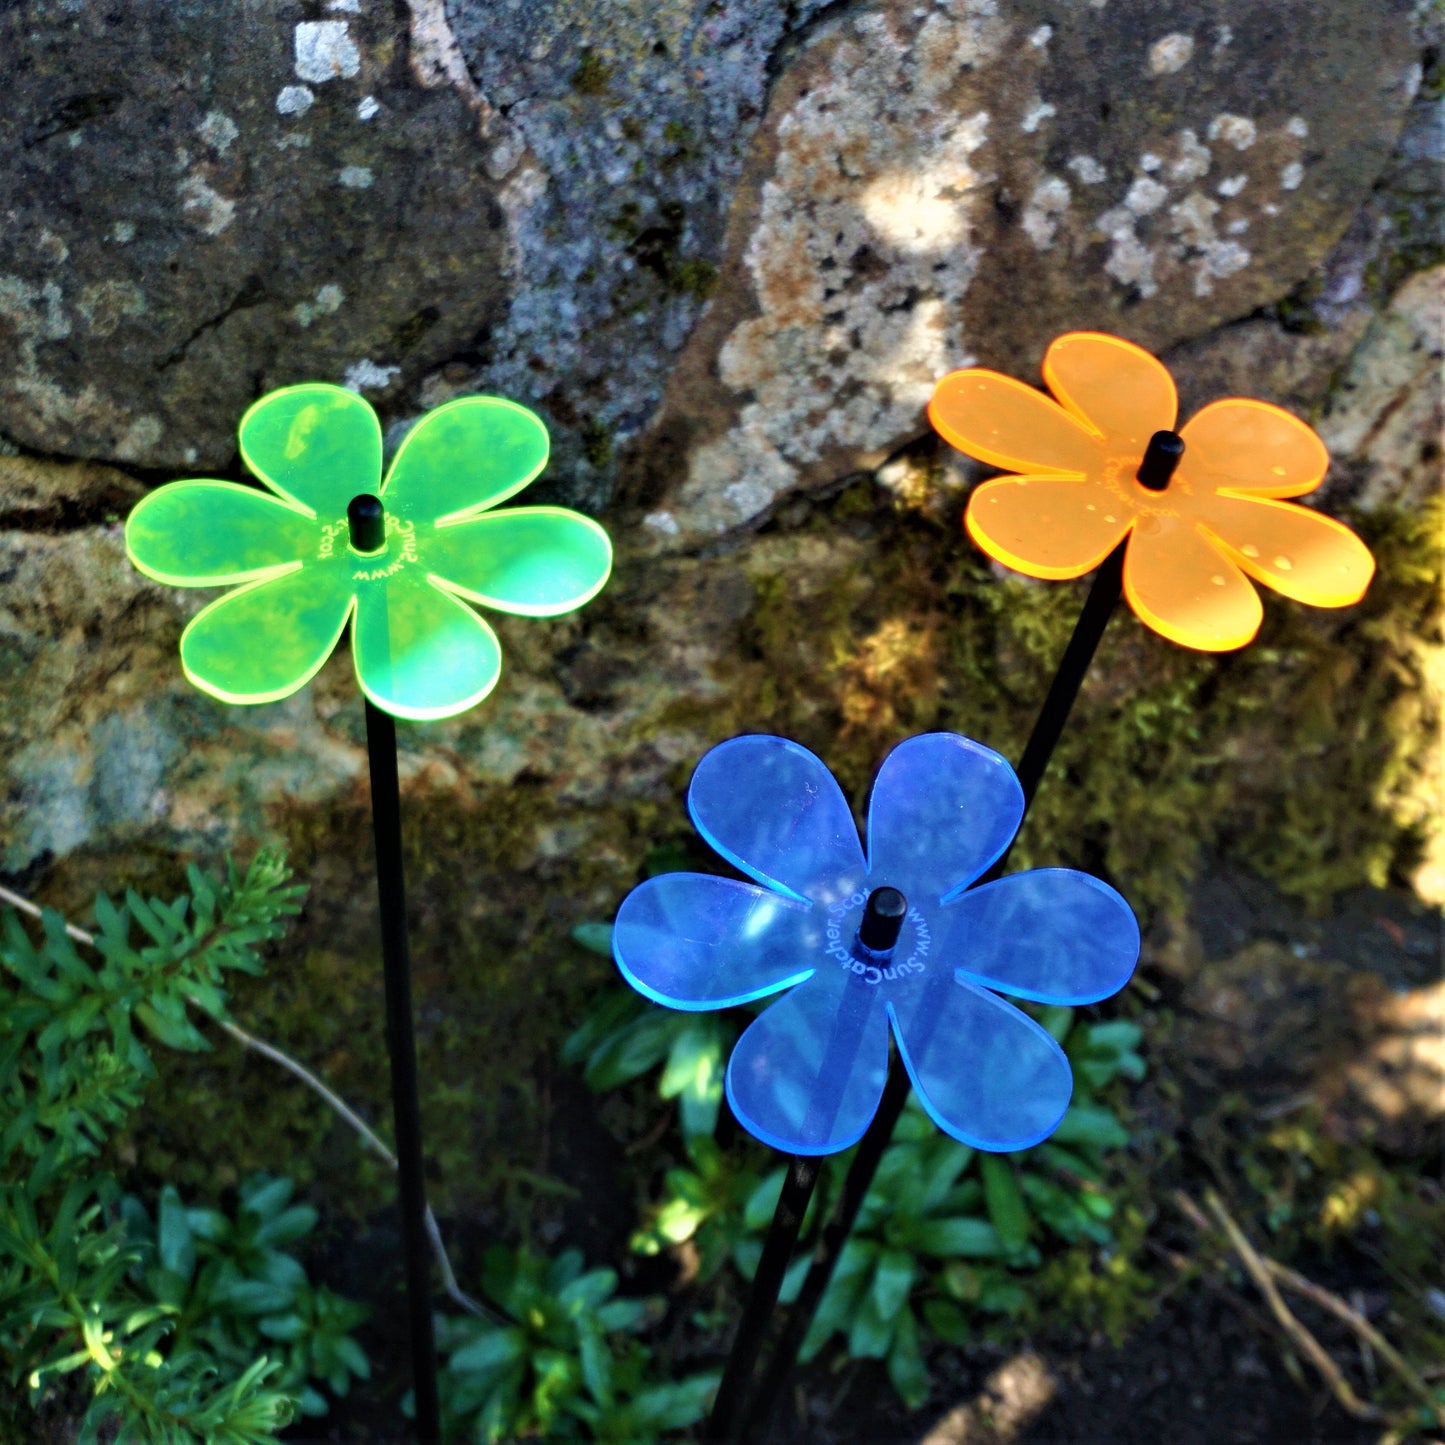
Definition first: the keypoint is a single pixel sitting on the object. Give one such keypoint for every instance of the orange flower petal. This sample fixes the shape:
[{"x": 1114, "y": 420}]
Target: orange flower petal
[
  {"x": 1114, "y": 387},
  {"x": 1299, "y": 553},
  {"x": 1007, "y": 424},
  {"x": 1249, "y": 446},
  {"x": 1184, "y": 587},
  {"x": 1046, "y": 526}
]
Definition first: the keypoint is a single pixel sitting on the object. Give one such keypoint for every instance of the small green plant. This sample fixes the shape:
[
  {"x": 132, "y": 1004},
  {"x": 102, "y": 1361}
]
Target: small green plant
[
  {"x": 946, "y": 1238},
  {"x": 237, "y": 1293},
  {"x": 566, "y": 1366},
  {"x": 625, "y": 1037},
  {"x": 165, "y": 1322}
]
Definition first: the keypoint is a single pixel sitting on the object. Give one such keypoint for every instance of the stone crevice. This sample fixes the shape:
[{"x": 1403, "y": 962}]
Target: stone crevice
[{"x": 252, "y": 293}]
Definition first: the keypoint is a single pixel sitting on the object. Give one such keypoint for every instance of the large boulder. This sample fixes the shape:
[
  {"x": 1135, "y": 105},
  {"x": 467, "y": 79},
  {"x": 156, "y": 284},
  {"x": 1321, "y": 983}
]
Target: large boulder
[
  {"x": 941, "y": 184},
  {"x": 206, "y": 199}
]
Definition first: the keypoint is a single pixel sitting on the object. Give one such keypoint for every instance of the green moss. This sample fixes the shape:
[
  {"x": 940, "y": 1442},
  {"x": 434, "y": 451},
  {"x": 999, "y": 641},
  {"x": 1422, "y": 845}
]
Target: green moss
[
  {"x": 694, "y": 277},
  {"x": 592, "y": 75},
  {"x": 1291, "y": 754},
  {"x": 597, "y": 443}
]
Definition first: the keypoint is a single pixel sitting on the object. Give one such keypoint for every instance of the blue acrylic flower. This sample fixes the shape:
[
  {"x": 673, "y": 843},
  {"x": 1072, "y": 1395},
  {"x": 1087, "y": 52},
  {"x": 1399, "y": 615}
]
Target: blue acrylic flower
[{"x": 807, "y": 1075}]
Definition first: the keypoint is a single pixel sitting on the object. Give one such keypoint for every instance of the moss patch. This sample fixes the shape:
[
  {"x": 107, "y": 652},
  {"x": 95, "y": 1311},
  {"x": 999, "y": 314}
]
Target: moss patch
[{"x": 863, "y": 621}]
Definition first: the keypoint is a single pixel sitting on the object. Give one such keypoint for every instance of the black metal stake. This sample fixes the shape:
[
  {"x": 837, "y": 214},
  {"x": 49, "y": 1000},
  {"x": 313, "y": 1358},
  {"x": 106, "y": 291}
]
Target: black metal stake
[
  {"x": 878, "y": 932},
  {"x": 763, "y": 1298},
  {"x": 368, "y": 524},
  {"x": 1155, "y": 470}
]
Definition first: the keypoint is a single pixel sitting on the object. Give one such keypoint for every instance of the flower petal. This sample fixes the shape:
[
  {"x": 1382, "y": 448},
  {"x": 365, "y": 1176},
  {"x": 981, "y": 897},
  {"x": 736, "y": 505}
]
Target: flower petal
[
  {"x": 986, "y": 1073},
  {"x": 1184, "y": 587},
  {"x": 207, "y": 534},
  {"x": 1049, "y": 527},
  {"x": 1007, "y": 424},
  {"x": 807, "y": 1075},
  {"x": 1115, "y": 388},
  {"x": 464, "y": 457},
  {"x": 774, "y": 811},
  {"x": 691, "y": 941},
  {"x": 943, "y": 809},
  {"x": 1301, "y": 554},
  {"x": 420, "y": 652},
  {"x": 538, "y": 561},
  {"x": 1250, "y": 446},
  {"x": 1051, "y": 935},
  {"x": 262, "y": 642},
  {"x": 316, "y": 445}
]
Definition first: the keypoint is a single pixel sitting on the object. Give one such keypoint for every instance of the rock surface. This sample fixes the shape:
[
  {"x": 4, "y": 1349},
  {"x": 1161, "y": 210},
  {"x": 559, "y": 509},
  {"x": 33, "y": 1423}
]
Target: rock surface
[
  {"x": 962, "y": 182},
  {"x": 726, "y": 251},
  {"x": 208, "y": 200},
  {"x": 910, "y": 136},
  {"x": 1385, "y": 418}
]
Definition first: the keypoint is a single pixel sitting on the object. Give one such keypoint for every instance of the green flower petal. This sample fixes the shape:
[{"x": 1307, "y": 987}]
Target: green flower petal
[
  {"x": 538, "y": 561},
  {"x": 207, "y": 534},
  {"x": 315, "y": 444},
  {"x": 421, "y": 653},
  {"x": 464, "y": 457},
  {"x": 262, "y": 642}
]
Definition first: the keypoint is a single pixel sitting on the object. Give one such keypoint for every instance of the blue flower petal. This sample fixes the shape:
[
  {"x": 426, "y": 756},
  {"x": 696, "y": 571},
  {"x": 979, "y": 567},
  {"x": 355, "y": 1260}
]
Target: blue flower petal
[
  {"x": 691, "y": 941},
  {"x": 807, "y": 1075},
  {"x": 943, "y": 809},
  {"x": 1051, "y": 935},
  {"x": 986, "y": 1073},
  {"x": 773, "y": 810}
]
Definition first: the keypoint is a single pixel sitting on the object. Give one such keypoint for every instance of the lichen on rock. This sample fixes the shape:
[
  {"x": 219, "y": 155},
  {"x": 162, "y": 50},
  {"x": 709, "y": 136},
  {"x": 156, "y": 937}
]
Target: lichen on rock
[
  {"x": 173, "y": 195},
  {"x": 958, "y": 182}
]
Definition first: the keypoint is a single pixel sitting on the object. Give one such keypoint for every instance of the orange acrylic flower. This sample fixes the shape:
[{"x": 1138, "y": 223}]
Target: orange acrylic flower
[{"x": 1193, "y": 546}]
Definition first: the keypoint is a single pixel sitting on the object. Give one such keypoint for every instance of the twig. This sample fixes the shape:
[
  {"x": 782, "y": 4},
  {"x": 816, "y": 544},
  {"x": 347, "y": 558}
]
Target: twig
[
  {"x": 1371, "y": 1340},
  {"x": 1366, "y": 1332},
  {"x": 373, "y": 1141},
  {"x": 1367, "y": 1355},
  {"x": 333, "y": 1100},
  {"x": 1298, "y": 1335}
]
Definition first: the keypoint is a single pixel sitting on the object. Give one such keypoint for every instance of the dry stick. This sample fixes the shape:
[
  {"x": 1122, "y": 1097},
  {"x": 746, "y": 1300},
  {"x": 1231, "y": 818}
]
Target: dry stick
[
  {"x": 1299, "y": 1336},
  {"x": 338, "y": 1105},
  {"x": 1368, "y": 1335}
]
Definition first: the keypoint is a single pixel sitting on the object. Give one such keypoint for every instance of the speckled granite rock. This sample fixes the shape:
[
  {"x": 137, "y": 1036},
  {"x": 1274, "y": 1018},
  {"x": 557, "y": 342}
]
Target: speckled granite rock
[
  {"x": 46, "y": 496},
  {"x": 207, "y": 200},
  {"x": 963, "y": 181},
  {"x": 1384, "y": 419},
  {"x": 916, "y": 138},
  {"x": 724, "y": 250}
]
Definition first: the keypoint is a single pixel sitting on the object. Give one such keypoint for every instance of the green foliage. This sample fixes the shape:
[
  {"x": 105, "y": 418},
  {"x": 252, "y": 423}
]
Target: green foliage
[
  {"x": 711, "y": 1201},
  {"x": 626, "y": 1037},
  {"x": 946, "y": 1236},
  {"x": 565, "y": 1366},
  {"x": 199, "y": 1327},
  {"x": 72, "y": 1063},
  {"x": 236, "y": 1292}
]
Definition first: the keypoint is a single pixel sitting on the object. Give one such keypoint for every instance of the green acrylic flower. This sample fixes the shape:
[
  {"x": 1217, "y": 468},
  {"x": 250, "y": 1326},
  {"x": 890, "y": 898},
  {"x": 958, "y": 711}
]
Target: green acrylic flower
[{"x": 420, "y": 651}]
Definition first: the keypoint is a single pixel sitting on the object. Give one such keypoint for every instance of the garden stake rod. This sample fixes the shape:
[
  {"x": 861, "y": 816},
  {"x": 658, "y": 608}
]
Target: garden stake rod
[
  {"x": 1157, "y": 467},
  {"x": 877, "y": 934},
  {"x": 798, "y": 1185},
  {"x": 367, "y": 524}
]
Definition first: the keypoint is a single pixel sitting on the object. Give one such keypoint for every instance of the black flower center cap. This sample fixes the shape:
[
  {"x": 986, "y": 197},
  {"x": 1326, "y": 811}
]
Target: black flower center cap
[
  {"x": 1160, "y": 459},
  {"x": 883, "y": 917},
  {"x": 367, "y": 519}
]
